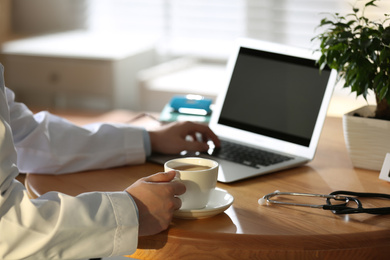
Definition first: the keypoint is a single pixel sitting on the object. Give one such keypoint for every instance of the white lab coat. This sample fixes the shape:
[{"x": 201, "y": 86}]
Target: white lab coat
[
  {"x": 57, "y": 226},
  {"x": 46, "y": 143}
]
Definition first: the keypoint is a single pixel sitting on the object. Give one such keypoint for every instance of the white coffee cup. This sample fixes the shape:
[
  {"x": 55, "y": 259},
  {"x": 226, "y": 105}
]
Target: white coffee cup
[{"x": 199, "y": 175}]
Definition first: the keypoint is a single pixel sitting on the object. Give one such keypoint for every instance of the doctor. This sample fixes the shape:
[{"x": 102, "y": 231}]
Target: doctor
[{"x": 96, "y": 224}]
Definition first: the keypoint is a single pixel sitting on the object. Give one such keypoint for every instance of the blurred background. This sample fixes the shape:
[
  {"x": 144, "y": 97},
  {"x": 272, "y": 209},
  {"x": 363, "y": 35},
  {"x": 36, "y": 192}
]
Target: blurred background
[{"x": 136, "y": 54}]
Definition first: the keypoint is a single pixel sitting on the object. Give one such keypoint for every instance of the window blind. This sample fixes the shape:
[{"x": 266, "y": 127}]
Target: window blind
[
  {"x": 190, "y": 27},
  {"x": 129, "y": 16},
  {"x": 208, "y": 27}
]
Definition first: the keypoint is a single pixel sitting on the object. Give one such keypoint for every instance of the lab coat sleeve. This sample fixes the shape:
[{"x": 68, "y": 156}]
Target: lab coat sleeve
[
  {"x": 46, "y": 143},
  {"x": 57, "y": 226}
]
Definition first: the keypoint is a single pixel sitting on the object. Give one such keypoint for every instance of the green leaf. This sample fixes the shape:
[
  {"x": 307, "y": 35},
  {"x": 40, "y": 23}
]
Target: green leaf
[
  {"x": 325, "y": 21},
  {"x": 365, "y": 42},
  {"x": 341, "y": 25},
  {"x": 386, "y": 35},
  {"x": 383, "y": 92},
  {"x": 371, "y": 3}
]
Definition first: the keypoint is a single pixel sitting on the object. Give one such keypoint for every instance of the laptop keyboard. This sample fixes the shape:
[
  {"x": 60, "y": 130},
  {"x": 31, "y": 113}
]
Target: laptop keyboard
[{"x": 247, "y": 156}]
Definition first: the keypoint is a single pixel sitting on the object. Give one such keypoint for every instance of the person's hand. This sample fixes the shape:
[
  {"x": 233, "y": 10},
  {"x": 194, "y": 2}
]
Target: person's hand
[
  {"x": 172, "y": 138},
  {"x": 156, "y": 201}
]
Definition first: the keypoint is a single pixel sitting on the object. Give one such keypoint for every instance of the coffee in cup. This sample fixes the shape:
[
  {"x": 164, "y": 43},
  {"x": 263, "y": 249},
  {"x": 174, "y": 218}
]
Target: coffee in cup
[{"x": 199, "y": 175}]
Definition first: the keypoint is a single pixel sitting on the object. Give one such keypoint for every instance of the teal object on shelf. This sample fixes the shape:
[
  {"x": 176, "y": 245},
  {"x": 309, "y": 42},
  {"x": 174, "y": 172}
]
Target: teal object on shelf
[
  {"x": 168, "y": 114},
  {"x": 191, "y": 104}
]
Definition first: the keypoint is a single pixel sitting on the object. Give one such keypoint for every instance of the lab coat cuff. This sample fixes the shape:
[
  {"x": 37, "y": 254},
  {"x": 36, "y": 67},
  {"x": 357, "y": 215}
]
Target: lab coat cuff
[
  {"x": 126, "y": 235},
  {"x": 135, "y": 205}
]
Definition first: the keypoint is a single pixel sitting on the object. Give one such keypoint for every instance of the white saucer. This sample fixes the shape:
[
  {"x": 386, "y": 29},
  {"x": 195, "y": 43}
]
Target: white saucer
[{"x": 220, "y": 200}]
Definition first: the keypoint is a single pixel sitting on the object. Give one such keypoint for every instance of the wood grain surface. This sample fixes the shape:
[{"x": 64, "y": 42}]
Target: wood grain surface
[{"x": 248, "y": 230}]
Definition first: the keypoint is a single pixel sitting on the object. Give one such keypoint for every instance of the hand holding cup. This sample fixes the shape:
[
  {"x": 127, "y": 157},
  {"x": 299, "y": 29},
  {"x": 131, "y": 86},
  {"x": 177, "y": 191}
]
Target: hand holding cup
[{"x": 199, "y": 175}]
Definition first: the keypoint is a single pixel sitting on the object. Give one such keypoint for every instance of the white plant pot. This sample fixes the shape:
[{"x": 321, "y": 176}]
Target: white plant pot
[{"x": 367, "y": 139}]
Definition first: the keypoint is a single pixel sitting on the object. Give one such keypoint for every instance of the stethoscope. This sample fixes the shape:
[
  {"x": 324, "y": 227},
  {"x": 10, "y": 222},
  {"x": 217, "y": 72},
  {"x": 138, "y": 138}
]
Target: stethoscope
[{"x": 345, "y": 197}]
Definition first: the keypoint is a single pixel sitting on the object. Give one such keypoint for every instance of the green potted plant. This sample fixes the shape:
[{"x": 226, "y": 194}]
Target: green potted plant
[{"x": 359, "y": 49}]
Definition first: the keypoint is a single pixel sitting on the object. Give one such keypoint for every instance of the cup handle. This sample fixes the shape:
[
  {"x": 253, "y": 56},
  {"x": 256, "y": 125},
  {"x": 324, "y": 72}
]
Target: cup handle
[{"x": 177, "y": 176}]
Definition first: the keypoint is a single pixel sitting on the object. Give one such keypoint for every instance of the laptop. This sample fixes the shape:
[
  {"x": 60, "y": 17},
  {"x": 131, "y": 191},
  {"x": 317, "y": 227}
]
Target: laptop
[{"x": 273, "y": 105}]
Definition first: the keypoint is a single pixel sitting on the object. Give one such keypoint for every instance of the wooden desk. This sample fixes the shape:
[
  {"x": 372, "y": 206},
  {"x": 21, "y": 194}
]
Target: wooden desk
[{"x": 250, "y": 231}]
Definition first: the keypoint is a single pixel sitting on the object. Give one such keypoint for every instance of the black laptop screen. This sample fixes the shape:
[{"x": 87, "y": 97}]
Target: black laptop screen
[{"x": 274, "y": 95}]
